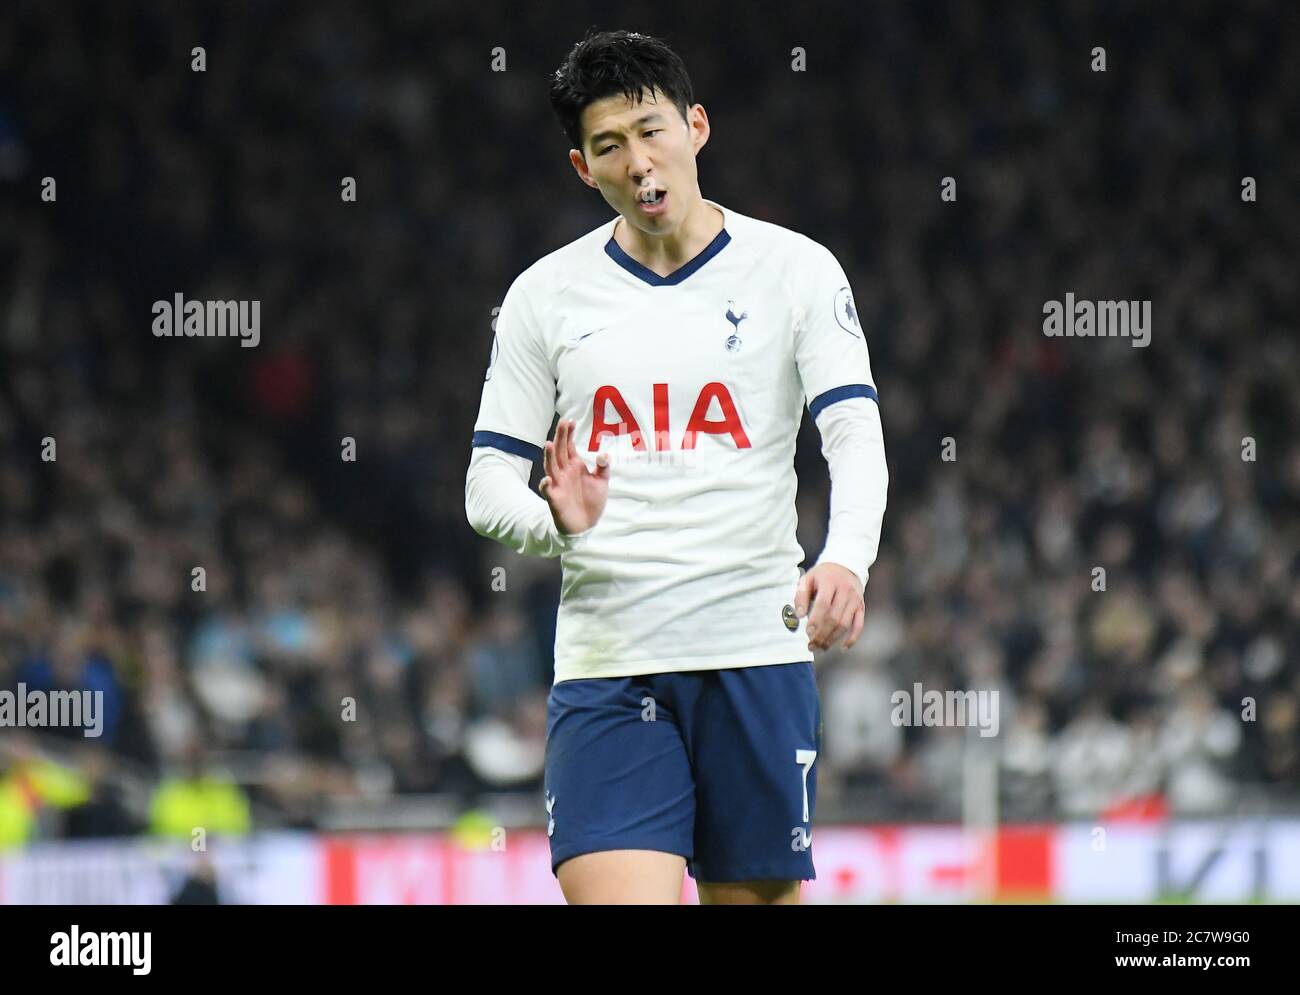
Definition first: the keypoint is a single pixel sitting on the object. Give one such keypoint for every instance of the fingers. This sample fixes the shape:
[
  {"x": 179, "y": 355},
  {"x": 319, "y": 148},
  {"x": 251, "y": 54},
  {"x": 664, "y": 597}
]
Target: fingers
[
  {"x": 560, "y": 454},
  {"x": 828, "y": 632},
  {"x": 859, "y": 618},
  {"x": 560, "y": 446},
  {"x": 839, "y": 614},
  {"x": 822, "y": 619},
  {"x": 563, "y": 450},
  {"x": 803, "y": 592},
  {"x": 571, "y": 451}
]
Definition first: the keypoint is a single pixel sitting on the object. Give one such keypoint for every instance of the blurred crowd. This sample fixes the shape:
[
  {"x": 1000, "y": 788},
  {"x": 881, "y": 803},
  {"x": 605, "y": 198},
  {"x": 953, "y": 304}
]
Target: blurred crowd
[{"x": 349, "y": 640}]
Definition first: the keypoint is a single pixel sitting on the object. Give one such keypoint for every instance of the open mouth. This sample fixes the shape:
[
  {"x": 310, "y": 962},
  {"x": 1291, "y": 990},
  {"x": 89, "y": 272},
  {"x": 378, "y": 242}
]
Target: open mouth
[{"x": 652, "y": 200}]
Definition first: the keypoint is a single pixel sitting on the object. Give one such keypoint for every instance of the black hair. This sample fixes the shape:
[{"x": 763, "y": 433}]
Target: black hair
[{"x": 607, "y": 63}]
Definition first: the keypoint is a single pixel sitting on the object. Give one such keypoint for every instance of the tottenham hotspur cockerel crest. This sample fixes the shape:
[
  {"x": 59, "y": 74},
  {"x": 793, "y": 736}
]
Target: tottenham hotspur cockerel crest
[{"x": 733, "y": 340}]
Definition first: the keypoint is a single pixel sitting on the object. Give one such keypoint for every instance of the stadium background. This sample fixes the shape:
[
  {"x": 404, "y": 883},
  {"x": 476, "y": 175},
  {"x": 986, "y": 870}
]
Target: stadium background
[{"x": 1121, "y": 711}]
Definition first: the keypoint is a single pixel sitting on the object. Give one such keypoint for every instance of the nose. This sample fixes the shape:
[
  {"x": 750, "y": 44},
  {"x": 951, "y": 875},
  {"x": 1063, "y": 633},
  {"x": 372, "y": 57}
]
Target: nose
[{"x": 639, "y": 164}]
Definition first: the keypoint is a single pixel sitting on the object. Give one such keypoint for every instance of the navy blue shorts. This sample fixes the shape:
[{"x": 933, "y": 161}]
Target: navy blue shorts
[{"x": 715, "y": 765}]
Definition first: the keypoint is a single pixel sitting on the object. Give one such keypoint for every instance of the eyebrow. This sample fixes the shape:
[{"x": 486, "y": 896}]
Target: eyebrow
[{"x": 614, "y": 133}]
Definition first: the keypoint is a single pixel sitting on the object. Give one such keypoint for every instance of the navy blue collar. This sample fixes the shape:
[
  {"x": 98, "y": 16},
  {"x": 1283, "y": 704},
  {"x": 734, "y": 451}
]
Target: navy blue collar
[{"x": 616, "y": 253}]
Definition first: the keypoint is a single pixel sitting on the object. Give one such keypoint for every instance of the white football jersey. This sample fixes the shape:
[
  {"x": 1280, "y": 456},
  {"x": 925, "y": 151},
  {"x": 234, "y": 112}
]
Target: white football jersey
[{"x": 695, "y": 384}]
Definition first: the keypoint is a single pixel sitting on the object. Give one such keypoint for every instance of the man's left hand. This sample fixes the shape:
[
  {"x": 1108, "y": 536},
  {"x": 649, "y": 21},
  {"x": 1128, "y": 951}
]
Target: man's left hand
[{"x": 838, "y": 608}]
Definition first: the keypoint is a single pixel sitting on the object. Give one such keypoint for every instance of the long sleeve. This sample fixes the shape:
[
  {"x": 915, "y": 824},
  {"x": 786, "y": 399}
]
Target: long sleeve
[
  {"x": 853, "y": 444},
  {"x": 835, "y": 369},
  {"x": 515, "y": 414},
  {"x": 500, "y": 505}
]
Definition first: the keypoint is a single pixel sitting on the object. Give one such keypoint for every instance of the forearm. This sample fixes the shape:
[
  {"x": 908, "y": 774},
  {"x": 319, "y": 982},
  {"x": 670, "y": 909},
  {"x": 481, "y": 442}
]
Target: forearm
[
  {"x": 853, "y": 444},
  {"x": 500, "y": 505}
]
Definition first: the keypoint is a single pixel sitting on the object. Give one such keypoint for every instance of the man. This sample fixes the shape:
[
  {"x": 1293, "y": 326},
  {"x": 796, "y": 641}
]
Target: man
[{"x": 678, "y": 344}]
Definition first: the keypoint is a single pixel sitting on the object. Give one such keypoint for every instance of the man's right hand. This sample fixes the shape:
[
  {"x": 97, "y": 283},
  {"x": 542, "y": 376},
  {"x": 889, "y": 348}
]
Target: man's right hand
[{"x": 576, "y": 495}]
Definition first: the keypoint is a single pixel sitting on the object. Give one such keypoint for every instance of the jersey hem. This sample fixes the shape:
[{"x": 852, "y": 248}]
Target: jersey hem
[{"x": 671, "y": 665}]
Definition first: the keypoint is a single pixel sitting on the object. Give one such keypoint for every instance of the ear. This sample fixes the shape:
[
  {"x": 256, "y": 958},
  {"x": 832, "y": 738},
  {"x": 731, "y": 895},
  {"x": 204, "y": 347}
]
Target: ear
[
  {"x": 697, "y": 123},
  {"x": 580, "y": 166}
]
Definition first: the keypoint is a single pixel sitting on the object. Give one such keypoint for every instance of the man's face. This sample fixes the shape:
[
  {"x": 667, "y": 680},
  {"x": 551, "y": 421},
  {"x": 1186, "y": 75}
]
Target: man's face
[{"x": 633, "y": 150}]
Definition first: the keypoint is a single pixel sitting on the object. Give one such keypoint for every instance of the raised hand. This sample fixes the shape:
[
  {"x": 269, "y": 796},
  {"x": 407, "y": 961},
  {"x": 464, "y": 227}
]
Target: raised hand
[{"x": 576, "y": 495}]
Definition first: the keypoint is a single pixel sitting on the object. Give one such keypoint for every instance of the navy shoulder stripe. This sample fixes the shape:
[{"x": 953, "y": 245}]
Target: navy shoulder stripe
[
  {"x": 820, "y": 402},
  {"x": 507, "y": 444}
]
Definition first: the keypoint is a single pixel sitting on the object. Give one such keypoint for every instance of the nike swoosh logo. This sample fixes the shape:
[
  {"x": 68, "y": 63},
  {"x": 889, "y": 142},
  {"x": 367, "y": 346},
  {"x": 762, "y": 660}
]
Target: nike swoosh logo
[{"x": 574, "y": 342}]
